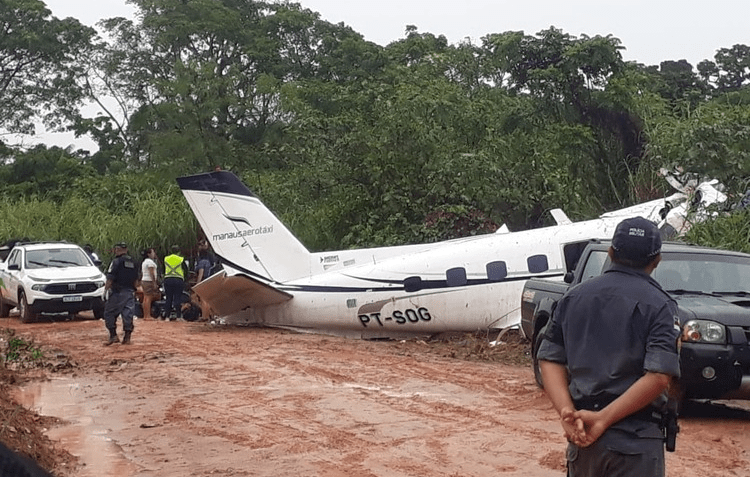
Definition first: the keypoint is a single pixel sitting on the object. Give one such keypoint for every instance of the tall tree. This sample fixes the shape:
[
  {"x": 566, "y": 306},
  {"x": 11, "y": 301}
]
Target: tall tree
[
  {"x": 680, "y": 85},
  {"x": 204, "y": 76},
  {"x": 568, "y": 78},
  {"x": 40, "y": 58},
  {"x": 730, "y": 70},
  {"x": 43, "y": 172},
  {"x": 713, "y": 141}
]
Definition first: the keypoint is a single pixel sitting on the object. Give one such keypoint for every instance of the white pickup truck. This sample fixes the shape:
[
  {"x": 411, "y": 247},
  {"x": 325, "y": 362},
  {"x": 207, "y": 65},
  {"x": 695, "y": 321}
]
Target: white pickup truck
[{"x": 50, "y": 277}]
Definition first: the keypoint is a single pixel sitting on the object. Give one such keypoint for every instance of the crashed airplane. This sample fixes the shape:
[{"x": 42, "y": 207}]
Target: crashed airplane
[{"x": 270, "y": 279}]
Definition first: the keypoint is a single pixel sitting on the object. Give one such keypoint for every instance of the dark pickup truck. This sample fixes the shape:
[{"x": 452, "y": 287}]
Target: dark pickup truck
[{"x": 712, "y": 290}]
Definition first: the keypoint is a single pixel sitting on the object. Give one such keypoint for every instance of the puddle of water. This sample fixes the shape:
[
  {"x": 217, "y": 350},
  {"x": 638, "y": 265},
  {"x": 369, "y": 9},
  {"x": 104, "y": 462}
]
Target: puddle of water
[{"x": 86, "y": 433}]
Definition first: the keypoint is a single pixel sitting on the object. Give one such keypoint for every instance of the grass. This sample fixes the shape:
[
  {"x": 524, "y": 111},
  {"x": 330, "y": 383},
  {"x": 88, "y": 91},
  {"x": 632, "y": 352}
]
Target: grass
[{"x": 19, "y": 351}]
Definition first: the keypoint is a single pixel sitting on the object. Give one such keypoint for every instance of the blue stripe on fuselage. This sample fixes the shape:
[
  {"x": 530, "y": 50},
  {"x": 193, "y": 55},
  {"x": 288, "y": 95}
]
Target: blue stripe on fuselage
[{"x": 395, "y": 285}]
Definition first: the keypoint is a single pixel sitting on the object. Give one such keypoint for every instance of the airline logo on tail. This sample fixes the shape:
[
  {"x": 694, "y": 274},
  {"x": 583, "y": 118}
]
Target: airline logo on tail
[
  {"x": 262, "y": 230},
  {"x": 238, "y": 219}
]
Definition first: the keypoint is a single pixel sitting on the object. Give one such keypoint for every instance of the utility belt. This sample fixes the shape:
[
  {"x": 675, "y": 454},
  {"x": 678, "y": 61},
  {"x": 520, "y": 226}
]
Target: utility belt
[
  {"x": 649, "y": 413},
  {"x": 667, "y": 421}
]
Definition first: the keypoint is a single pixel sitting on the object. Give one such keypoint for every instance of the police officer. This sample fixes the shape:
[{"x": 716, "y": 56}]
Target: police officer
[
  {"x": 607, "y": 359},
  {"x": 122, "y": 280},
  {"x": 175, "y": 270}
]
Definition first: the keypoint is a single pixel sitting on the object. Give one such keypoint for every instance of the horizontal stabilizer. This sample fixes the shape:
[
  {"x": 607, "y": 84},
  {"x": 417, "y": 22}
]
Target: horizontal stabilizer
[
  {"x": 231, "y": 294},
  {"x": 560, "y": 217}
]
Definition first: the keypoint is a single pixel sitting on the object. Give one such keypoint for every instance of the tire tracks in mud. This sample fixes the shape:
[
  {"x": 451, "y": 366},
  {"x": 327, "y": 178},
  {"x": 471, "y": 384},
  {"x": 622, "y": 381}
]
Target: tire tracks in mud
[
  {"x": 395, "y": 384},
  {"x": 272, "y": 403}
]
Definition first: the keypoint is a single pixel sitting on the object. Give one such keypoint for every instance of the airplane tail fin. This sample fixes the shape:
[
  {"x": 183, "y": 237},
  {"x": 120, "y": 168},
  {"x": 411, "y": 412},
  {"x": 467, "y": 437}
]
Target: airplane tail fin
[{"x": 242, "y": 230}]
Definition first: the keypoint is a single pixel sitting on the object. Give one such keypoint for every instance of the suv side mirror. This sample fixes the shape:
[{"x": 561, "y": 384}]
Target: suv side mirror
[
  {"x": 568, "y": 278},
  {"x": 14, "y": 266}
]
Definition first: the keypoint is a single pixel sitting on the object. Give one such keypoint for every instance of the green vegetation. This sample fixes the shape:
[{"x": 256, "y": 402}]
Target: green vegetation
[
  {"x": 728, "y": 231},
  {"x": 351, "y": 143},
  {"x": 20, "y": 351}
]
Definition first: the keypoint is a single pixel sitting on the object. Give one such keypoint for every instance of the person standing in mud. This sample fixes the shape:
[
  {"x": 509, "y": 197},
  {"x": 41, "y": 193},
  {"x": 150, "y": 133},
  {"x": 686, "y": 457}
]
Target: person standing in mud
[
  {"x": 122, "y": 281},
  {"x": 175, "y": 271},
  {"x": 607, "y": 359},
  {"x": 149, "y": 281}
]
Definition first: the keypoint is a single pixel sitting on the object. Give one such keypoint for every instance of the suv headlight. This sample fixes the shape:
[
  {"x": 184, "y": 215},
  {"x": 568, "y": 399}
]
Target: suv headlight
[
  {"x": 38, "y": 287},
  {"x": 704, "y": 331}
]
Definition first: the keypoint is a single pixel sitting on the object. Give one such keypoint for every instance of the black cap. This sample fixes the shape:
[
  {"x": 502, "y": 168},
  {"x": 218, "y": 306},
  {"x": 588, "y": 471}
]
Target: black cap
[
  {"x": 121, "y": 245},
  {"x": 637, "y": 239}
]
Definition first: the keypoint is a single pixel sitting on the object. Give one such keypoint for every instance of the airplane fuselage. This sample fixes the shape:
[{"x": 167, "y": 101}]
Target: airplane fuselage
[
  {"x": 467, "y": 284},
  {"x": 462, "y": 285}
]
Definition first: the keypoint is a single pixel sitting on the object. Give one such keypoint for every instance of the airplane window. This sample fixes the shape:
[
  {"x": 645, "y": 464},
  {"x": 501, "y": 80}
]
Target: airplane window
[
  {"x": 497, "y": 271},
  {"x": 456, "y": 277},
  {"x": 412, "y": 284},
  {"x": 537, "y": 263}
]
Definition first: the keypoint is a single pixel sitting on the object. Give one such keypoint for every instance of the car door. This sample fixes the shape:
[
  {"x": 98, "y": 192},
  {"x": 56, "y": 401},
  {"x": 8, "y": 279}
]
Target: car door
[
  {"x": 13, "y": 276},
  {"x": 3, "y": 277}
]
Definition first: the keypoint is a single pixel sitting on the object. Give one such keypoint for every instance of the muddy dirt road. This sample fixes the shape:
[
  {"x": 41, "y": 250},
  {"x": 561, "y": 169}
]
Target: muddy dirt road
[{"x": 190, "y": 399}]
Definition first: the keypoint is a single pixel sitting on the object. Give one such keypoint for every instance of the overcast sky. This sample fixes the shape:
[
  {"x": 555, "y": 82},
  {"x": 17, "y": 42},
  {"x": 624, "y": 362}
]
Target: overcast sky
[{"x": 650, "y": 30}]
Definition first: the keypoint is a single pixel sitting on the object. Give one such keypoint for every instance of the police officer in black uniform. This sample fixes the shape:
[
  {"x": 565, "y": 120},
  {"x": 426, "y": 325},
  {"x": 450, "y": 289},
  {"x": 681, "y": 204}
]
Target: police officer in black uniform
[
  {"x": 608, "y": 357},
  {"x": 122, "y": 280}
]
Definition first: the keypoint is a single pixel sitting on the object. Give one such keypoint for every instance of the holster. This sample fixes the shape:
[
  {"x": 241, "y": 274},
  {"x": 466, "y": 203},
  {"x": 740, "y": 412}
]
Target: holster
[{"x": 671, "y": 428}]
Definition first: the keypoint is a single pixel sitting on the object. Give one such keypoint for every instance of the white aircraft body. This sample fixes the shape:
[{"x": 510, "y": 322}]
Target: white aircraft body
[{"x": 270, "y": 279}]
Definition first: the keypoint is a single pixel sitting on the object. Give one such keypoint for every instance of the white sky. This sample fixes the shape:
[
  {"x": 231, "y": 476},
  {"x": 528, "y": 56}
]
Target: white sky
[{"x": 651, "y": 30}]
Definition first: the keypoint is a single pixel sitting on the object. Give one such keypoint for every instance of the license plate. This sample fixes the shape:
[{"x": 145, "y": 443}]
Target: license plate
[{"x": 68, "y": 299}]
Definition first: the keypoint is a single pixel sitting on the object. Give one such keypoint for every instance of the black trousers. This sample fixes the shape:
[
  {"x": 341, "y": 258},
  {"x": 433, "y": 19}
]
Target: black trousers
[{"x": 173, "y": 288}]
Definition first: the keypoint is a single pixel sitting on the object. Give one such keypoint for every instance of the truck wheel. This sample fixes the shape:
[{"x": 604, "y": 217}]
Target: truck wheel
[
  {"x": 4, "y": 308},
  {"x": 27, "y": 316},
  {"x": 535, "y": 361}
]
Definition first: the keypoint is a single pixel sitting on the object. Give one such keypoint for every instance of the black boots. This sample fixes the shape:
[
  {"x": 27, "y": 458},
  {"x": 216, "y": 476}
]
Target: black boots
[{"x": 113, "y": 338}]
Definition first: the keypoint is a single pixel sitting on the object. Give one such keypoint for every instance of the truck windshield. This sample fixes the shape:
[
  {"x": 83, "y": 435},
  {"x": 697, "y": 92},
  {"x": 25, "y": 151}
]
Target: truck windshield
[
  {"x": 703, "y": 273},
  {"x": 56, "y": 258}
]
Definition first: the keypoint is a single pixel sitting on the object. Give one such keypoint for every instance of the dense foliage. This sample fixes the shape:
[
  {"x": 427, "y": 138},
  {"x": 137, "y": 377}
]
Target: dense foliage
[{"x": 351, "y": 143}]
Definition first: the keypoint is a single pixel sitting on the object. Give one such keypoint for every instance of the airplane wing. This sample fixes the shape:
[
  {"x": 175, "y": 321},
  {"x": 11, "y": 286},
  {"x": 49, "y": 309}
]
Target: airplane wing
[{"x": 231, "y": 294}]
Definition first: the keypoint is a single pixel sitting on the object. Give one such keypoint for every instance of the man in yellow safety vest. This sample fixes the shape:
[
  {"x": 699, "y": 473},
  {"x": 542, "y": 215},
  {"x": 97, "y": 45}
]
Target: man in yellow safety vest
[{"x": 175, "y": 271}]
